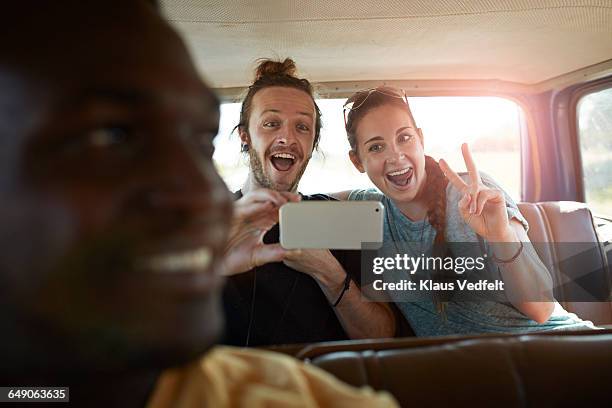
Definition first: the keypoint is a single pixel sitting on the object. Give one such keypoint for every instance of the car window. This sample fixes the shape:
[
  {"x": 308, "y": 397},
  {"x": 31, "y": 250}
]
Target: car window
[
  {"x": 595, "y": 135},
  {"x": 490, "y": 125}
]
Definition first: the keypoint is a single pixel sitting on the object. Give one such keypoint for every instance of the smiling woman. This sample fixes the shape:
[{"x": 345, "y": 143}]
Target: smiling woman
[{"x": 491, "y": 125}]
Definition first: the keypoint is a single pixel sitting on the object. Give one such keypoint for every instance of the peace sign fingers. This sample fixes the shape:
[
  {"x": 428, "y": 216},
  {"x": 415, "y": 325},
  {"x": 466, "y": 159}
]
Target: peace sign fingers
[
  {"x": 470, "y": 165},
  {"x": 475, "y": 182},
  {"x": 453, "y": 177},
  {"x": 482, "y": 207}
]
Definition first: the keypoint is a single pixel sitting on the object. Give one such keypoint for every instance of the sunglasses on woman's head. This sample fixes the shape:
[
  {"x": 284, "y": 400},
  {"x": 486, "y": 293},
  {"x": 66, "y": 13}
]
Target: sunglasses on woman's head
[{"x": 359, "y": 98}]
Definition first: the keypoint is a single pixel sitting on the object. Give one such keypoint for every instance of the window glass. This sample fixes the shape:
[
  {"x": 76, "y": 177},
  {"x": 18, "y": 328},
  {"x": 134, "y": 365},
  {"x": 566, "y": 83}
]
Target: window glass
[
  {"x": 595, "y": 134},
  {"x": 490, "y": 125}
]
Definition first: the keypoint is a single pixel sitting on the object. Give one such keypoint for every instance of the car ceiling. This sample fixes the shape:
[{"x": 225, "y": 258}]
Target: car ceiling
[{"x": 525, "y": 42}]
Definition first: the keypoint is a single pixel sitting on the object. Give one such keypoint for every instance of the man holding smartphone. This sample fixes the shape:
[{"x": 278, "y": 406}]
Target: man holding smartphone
[{"x": 276, "y": 296}]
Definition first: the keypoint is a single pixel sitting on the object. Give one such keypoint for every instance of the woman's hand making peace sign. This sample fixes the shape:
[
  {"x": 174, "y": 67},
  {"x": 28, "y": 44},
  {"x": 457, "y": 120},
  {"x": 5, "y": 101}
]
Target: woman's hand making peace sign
[
  {"x": 528, "y": 284},
  {"x": 482, "y": 208}
]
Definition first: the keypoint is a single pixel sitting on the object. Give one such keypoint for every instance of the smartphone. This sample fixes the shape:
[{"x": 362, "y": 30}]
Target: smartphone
[{"x": 331, "y": 224}]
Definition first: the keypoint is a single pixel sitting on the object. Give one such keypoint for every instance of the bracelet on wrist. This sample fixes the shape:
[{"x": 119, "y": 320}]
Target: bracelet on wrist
[
  {"x": 507, "y": 261},
  {"x": 347, "y": 285}
]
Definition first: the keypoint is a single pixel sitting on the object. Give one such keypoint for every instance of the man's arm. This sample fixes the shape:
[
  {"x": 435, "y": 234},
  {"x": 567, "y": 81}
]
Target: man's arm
[
  {"x": 360, "y": 318},
  {"x": 254, "y": 215}
]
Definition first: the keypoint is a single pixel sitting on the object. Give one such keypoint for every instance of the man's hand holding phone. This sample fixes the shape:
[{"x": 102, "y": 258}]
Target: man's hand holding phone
[
  {"x": 254, "y": 215},
  {"x": 321, "y": 265}
]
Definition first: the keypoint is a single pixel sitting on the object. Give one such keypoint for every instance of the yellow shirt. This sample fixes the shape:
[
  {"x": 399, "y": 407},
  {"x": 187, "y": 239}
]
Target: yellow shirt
[{"x": 233, "y": 377}]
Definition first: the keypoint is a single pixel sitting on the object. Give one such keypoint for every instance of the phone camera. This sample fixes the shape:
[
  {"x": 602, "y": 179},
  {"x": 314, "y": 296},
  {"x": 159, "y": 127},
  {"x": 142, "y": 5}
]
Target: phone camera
[{"x": 377, "y": 210}]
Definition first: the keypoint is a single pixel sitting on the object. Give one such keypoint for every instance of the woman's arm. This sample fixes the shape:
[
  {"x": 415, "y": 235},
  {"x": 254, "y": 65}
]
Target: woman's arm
[
  {"x": 340, "y": 195},
  {"x": 527, "y": 282}
]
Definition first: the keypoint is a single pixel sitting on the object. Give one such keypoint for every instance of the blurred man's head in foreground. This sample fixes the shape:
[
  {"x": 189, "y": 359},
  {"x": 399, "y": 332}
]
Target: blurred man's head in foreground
[{"x": 113, "y": 216}]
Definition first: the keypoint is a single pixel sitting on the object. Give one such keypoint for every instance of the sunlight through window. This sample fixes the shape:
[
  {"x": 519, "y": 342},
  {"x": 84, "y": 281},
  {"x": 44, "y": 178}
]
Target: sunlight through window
[{"x": 490, "y": 125}]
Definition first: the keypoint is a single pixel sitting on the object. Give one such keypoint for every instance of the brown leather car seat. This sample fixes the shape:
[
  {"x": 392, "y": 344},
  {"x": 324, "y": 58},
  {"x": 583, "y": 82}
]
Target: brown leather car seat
[
  {"x": 508, "y": 370},
  {"x": 581, "y": 281},
  {"x": 536, "y": 370}
]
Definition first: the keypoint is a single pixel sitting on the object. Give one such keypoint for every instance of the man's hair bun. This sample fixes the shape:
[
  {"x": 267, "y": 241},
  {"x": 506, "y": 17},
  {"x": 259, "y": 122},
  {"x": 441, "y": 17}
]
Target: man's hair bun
[{"x": 271, "y": 68}]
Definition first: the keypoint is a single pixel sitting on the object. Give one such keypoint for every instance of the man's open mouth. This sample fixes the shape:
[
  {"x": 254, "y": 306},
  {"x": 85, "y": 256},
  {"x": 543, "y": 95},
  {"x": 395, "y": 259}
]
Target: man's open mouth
[
  {"x": 401, "y": 177},
  {"x": 282, "y": 161}
]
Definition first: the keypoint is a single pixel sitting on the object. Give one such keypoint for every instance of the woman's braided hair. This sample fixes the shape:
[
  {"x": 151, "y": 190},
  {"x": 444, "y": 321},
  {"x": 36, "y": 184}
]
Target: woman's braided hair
[
  {"x": 434, "y": 193},
  {"x": 269, "y": 73}
]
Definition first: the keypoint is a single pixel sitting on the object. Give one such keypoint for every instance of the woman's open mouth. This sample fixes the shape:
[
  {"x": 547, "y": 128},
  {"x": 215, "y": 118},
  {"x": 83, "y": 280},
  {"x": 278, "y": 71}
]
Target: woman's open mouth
[
  {"x": 282, "y": 161},
  {"x": 401, "y": 177}
]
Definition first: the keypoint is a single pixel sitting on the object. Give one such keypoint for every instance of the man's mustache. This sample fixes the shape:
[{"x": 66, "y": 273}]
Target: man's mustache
[{"x": 292, "y": 149}]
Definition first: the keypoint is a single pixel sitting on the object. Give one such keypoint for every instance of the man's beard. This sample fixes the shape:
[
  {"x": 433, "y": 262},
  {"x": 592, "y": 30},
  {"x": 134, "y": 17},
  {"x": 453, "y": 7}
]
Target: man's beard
[{"x": 264, "y": 180}]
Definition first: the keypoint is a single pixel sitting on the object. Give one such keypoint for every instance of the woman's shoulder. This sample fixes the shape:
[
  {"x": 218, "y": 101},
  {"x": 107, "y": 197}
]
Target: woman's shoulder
[{"x": 365, "y": 194}]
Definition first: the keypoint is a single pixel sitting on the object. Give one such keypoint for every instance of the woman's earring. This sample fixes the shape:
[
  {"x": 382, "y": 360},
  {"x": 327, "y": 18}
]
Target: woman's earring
[{"x": 244, "y": 147}]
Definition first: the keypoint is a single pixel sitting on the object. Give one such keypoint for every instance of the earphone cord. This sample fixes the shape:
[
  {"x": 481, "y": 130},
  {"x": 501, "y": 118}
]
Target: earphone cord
[
  {"x": 280, "y": 322},
  {"x": 252, "y": 312}
]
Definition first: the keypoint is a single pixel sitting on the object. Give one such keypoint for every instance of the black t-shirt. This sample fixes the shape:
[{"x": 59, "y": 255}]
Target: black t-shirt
[{"x": 275, "y": 304}]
